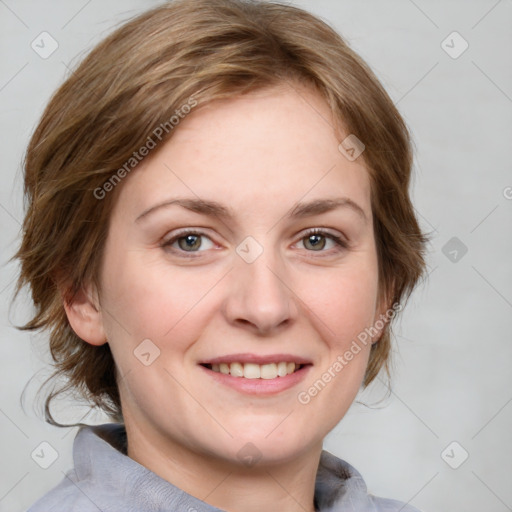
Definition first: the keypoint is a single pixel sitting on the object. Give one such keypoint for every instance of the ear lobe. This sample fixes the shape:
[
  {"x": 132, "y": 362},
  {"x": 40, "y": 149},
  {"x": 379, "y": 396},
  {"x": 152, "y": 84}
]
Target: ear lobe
[{"x": 84, "y": 316}]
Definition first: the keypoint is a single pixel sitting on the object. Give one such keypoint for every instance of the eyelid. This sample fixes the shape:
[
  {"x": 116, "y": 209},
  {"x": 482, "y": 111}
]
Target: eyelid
[
  {"x": 324, "y": 231},
  {"x": 180, "y": 232},
  {"x": 167, "y": 241},
  {"x": 340, "y": 239}
]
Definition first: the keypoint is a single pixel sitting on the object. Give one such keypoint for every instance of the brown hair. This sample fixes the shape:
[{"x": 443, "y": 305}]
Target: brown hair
[{"x": 136, "y": 80}]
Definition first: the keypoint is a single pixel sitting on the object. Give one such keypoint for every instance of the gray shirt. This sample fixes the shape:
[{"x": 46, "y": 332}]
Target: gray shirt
[{"x": 105, "y": 479}]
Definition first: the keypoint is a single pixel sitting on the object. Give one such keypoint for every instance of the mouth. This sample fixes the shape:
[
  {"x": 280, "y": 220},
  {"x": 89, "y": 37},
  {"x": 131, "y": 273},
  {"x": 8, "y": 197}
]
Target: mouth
[
  {"x": 255, "y": 371},
  {"x": 254, "y": 374}
]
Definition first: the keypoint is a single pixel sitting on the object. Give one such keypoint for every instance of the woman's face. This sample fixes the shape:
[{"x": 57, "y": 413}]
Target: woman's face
[{"x": 211, "y": 258}]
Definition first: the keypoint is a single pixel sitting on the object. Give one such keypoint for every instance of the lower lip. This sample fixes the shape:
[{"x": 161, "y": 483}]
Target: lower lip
[{"x": 259, "y": 386}]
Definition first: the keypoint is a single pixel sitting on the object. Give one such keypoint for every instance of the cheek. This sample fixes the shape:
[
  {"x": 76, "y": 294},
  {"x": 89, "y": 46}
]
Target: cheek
[
  {"x": 344, "y": 302},
  {"x": 148, "y": 298},
  {"x": 342, "y": 308}
]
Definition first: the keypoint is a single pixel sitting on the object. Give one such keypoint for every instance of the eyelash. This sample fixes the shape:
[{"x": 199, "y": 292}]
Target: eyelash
[{"x": 340, "y": 242}]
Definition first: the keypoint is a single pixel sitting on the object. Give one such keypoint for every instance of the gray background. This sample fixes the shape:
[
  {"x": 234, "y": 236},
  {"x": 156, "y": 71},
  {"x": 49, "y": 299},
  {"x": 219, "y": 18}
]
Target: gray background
[{"x": 452, "y": 379}]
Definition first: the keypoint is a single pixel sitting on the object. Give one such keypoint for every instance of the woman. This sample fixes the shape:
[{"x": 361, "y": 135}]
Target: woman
[{"x": 218, "y": 235}]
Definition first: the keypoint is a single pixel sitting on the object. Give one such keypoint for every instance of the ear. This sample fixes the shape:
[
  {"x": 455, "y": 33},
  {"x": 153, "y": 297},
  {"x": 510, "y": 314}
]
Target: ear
[{"x": 84, "y": 315}]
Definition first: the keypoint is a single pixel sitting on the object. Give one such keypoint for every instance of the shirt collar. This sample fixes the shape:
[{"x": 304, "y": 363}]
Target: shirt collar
[{"x": 100, "y": 458}]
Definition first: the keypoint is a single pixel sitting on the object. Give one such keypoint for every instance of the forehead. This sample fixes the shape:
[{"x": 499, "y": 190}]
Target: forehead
[{"x": 275, "y": 146}]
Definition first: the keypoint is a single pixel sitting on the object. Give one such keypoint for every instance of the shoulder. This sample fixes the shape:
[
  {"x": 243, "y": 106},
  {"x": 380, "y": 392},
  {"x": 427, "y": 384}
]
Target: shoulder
[
  {"x": 339, "y": 486},
  {"x": 65, "y": 497},
  {"x": 89, "y": 486},
  {"x": 388, "y": 505}
]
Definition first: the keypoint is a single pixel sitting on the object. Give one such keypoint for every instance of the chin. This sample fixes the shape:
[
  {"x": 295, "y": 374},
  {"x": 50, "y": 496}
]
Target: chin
[{"x": 266, "y": 444}]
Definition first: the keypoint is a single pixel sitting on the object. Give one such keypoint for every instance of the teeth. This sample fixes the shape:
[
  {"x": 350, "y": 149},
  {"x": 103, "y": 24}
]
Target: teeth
[
  {"x": 282, "y": 369},
  {"x": 251, "y": 371},
  {"x": 269, "y": 371},
  {"x": 236, "y": 369},
  {"x": 256, "y": 371}
]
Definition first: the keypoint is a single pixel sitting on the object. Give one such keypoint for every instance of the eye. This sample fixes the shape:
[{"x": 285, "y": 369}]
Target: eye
[
  {"x": 188, "y": 241},
  {"x": 316, "y": 240}
]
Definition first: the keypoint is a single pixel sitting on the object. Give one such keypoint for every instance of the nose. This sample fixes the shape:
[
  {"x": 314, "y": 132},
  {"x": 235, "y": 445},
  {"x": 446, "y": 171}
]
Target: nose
[{"x": 260, "y": 295}]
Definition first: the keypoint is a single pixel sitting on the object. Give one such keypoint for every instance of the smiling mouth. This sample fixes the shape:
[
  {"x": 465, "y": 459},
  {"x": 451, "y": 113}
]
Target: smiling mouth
[{"x": 255, "y": 371}]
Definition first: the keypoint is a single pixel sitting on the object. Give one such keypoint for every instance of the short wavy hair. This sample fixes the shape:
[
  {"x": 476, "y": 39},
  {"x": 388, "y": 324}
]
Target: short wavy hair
[{"x": 134, "y": 81}]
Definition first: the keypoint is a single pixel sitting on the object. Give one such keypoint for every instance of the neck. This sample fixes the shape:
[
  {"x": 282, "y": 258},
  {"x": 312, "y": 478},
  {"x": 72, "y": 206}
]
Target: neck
[{"x": 229, "y": 485}]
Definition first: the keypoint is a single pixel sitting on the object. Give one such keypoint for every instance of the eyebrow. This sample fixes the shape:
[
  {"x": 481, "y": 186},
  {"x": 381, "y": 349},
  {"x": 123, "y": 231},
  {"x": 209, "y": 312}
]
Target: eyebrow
[{"x": 217, "y": 210}]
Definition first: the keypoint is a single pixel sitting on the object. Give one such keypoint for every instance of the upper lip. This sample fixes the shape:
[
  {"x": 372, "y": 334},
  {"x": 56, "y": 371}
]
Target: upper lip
[{"x": 257, "y": 359}]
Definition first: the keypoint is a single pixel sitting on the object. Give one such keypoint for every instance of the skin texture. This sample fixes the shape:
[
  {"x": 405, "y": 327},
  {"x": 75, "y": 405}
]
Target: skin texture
[{"x": 258, "y": 155}]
